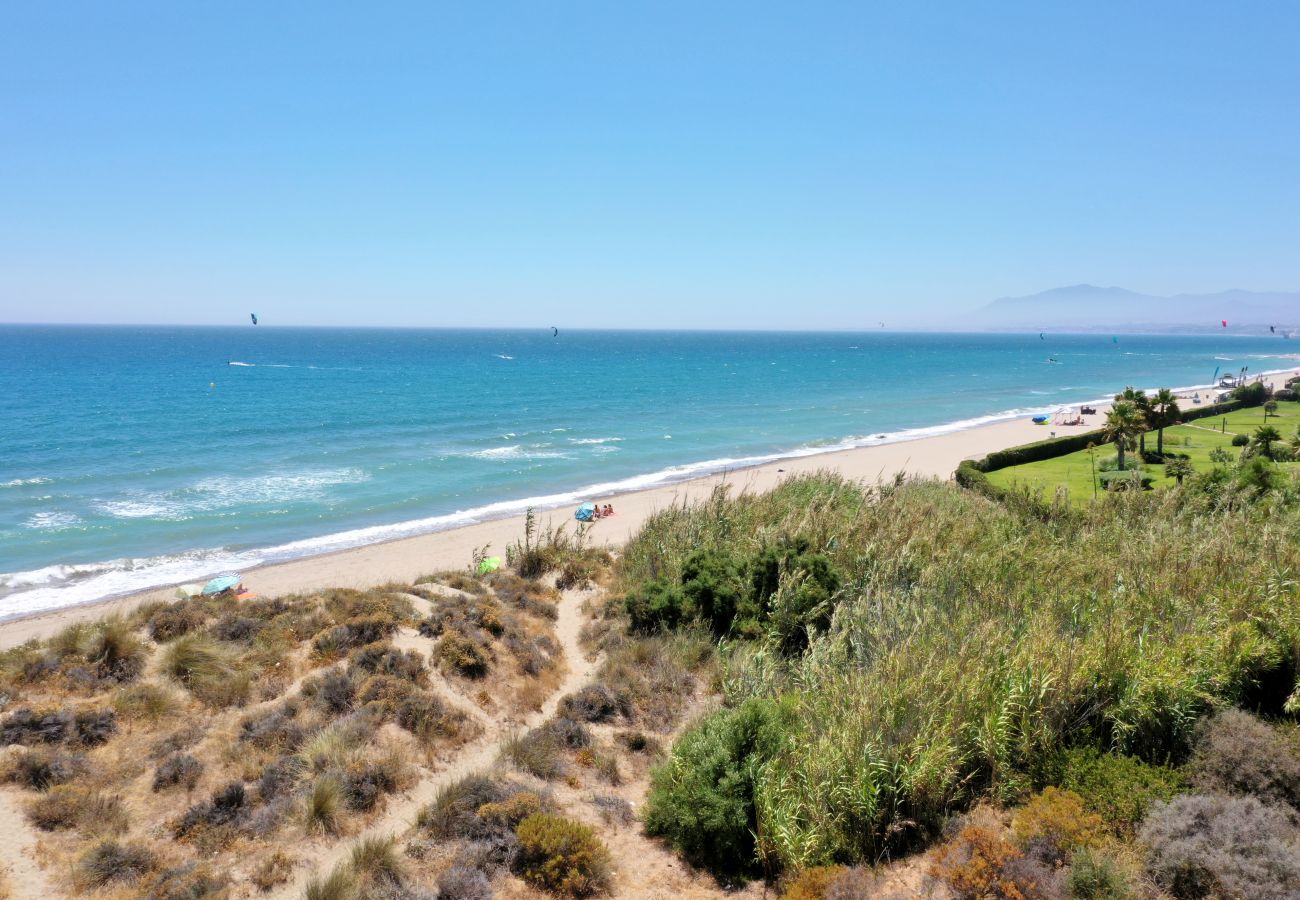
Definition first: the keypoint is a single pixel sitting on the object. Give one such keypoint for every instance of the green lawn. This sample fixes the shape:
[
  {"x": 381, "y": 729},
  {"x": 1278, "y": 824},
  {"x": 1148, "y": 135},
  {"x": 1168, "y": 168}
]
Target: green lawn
[{"x": 1196, "y": 439}]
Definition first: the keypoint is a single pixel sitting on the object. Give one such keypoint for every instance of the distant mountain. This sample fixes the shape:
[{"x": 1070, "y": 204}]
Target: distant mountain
[{"x": 1090, "y": 307}]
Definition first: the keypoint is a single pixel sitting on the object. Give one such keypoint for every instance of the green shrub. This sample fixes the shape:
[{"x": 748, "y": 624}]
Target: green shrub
[
  {"x": 1240, "y": 440},
  {"x": 1118, "y": 788},
  {"x": 713, "y": 587},
  {"x": 702, "y": 798},
  {"x": 657, "y": 606},
  {"x": 562, "y": 856},
  {"x": 1096, "y": 875}
]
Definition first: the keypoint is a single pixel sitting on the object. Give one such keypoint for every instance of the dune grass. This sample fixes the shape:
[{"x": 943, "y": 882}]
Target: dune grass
[{"x": 970, "y": 646}]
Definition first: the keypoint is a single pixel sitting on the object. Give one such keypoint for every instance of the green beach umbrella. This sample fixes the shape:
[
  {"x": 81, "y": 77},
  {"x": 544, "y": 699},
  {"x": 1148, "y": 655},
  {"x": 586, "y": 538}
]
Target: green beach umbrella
[{"x": 491, "y": 564}]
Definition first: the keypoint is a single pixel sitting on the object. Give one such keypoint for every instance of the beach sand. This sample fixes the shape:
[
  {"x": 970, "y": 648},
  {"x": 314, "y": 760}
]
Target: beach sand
[{"x": 403, "y": 559}]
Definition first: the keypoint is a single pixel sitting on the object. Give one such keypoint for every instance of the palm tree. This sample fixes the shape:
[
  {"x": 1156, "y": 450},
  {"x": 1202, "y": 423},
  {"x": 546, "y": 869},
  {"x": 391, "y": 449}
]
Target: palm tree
[
  {"x": 1123, "y": 425},
  {"x": 1178, "y": 468},
  {"x": 1165, "y": 411},
  {"x": 1142, "y": 404},
  {"x": 1265, "y": 437}
]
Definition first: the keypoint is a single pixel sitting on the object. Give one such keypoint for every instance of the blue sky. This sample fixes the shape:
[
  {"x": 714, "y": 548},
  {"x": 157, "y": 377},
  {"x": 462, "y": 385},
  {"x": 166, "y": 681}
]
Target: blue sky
[{"x": 813, "y": 165}]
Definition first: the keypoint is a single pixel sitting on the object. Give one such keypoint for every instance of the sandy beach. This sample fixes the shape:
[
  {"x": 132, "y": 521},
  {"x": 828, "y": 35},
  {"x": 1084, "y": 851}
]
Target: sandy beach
[{"x": 407, "y": 558}]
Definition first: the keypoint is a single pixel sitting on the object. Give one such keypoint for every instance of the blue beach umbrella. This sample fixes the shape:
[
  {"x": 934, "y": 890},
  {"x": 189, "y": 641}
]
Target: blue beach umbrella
[
  {"x": 220, "y": 583},
  {"x": 586, "y": 512}
]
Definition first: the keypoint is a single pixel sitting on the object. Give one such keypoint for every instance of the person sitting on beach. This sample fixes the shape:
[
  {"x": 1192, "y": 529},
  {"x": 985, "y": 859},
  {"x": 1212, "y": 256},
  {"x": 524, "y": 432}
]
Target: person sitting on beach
[
  {"x": 596, "y": 513},
  {"x": 609, "y": 510}
]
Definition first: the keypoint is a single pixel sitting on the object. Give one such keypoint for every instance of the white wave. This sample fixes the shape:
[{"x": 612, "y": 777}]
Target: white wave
[
  {"x": 20, "y": 482},
  {"x": 1225, "y": 358},
  {"x": 601, "y": 440},
  {"x": 155, "y": 508},
  {"x": 52, "y": 521},
  {"x": 227, "y": 491},
  {"x": 68, "y": 585},
  {"x": 244, "y": 364},
  {"x": 502, "y": 356},
  {"x": 514, "y": 451}
]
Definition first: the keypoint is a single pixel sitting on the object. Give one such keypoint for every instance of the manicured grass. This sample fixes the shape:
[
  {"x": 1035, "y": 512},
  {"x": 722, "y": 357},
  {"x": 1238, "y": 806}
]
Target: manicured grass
[{"x": 1196, "y": 439}]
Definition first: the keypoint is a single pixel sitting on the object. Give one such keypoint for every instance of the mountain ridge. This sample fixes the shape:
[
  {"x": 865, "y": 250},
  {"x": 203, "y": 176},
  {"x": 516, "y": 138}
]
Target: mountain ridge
[{"x": 1092, "y": 306}]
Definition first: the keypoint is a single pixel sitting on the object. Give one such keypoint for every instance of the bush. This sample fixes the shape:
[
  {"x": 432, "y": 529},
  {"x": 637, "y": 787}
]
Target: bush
[
  {"x": 72, "y": 806},
  {"x": 593, "y": 703},
  {"x": 362, "y": 784},
  {"x": 453, "y": 814},
  {"x": 110, "y": 861},
  {"x": 280, "y": 776},
  {"x": 385, "y": 659},
  {"x": 1053, "y": 824},
  {"x": 175, "y": 619},
  {"x": 1240, "y": 440},
  {"x": 1118, "y": 788},
  {"x": 657, "y": 606},
  {"x": 1237, "y": 753},
  {"x": 462, "y": 655},
  {"x": 1125, "y": 480},
  {"x": 178, "y": 770},
  {"x": 227, "y": 807},
  {"x": 191, "y": 881},
  {"x": 464, "y": 883},
  {"x": 86, "y": 727},
  {"x": 1226, "y": 846},
  {"x": 114, "y": 652},
  {"x": 42, "y": 769},
  {"x": 702, "y": 798},
  {"x": 1095, "y": 875},
  {"x": 508, "y": 813},
  {"x": 355, "y": 632},
  {"x": 429, "y": 719},
  {"x": 713, "y": 586},
  {"x": 271, "y": 872},
  {"x": 979, "y": 864},
  {"x": 562, "y": 856},
  {"x": 274, "y": 729},
  {"x": 811, "y": 884},
  {"x": 333, "y": 692},
  {"x": 236, "y": 629}
]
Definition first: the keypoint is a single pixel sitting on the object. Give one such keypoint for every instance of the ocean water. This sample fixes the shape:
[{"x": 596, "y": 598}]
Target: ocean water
[{"x": 137, "y": 456}]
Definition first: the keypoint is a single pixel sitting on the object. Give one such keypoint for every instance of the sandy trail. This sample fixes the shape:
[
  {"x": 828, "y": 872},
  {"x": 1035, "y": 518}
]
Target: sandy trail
[
  {"x": 27, "y": 881},
  {"x": 476, "y": 756}
]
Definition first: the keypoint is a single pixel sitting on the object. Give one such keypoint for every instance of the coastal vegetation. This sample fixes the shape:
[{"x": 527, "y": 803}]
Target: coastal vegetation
[
  {"x": 975, "y": 663},
  {"x": 830, "y": 690}
]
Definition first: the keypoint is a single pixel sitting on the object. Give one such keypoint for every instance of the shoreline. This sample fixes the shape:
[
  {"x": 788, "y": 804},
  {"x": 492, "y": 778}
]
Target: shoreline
[{"x": 934, "y": 455}]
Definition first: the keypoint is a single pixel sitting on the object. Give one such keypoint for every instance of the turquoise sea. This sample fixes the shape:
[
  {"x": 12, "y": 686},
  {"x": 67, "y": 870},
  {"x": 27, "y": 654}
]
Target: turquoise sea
[{"x": 138, "y": 456}]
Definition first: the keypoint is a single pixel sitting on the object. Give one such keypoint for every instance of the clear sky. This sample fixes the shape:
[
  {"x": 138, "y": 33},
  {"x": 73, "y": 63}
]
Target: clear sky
[{"x": 748, "y": 164}]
